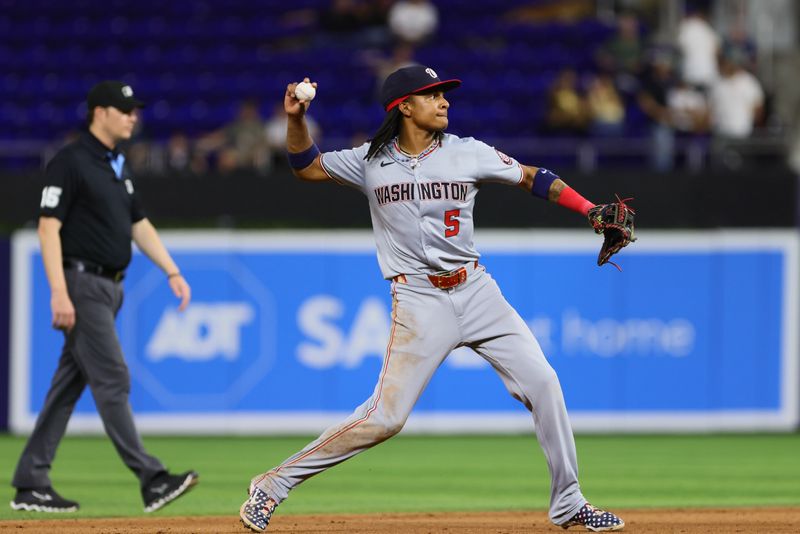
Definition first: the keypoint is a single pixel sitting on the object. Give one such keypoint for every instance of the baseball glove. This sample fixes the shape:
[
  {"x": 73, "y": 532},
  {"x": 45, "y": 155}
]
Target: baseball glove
[{"x": 615, "y": 222}]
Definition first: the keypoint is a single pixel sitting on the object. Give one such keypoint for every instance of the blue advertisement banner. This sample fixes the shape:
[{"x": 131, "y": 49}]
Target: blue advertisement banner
[{"x": 286, "y": 332}]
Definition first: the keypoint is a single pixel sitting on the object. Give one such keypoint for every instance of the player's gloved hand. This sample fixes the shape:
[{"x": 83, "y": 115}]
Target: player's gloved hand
[{"x": 615, "y": 222}]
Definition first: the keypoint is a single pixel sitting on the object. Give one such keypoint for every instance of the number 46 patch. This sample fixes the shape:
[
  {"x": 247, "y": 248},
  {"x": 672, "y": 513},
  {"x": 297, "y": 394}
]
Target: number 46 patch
[{"x": 51, "y": 196}]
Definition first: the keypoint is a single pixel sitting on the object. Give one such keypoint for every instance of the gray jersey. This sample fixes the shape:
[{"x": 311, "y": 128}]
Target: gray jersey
[{"x": 422, "y": 207}]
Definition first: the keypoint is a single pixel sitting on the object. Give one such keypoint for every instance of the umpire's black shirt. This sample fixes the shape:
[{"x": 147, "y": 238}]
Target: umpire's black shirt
[{"x": 96, "y": 208}]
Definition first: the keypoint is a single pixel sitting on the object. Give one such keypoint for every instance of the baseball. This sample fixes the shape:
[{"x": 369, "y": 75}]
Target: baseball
[{"x": 305, "y": 91}]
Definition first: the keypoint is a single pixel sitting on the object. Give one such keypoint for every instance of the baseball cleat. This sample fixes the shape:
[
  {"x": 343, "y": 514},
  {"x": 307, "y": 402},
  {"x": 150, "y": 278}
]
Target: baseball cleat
[
  {"x": 166, "y": 488},
  {"x": 42, "y": 500},
  {"x": 257, "y": 510},
  {"x": 595, "y": 519}
]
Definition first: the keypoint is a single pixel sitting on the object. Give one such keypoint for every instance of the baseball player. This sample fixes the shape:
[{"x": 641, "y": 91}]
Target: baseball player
[{"x": 421, "y": 184}]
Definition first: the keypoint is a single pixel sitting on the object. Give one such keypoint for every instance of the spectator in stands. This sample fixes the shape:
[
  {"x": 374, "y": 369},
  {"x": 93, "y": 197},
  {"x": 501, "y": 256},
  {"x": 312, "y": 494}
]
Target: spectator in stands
[
  {"x": 180, "y": 156},
  {"x": 606, "y": 108},
  {"x": 658, "y": 81},
  {"x": 342, "y": 20},
  {"x": 699, "y": 44},
  {"x": 794, "y": 144},
  {"x": 736, "y": 99},
  {"x": 536, "y": 12},
  {"x": 138, "y": 148},
  {"x": 275, "y": 133},
  {"x": 375, "y": 18},
  {"x": 567, "y": 111},
  {"x": 178, "y": 152},
  {"x": 139, "y": 156},
  {"x": 622, "y": 54},
  {"x": 240, "y": 144},
  {"x": 688, "y": 108},
  {"x": 356, "y": 23},
  {"x": 413, "y": 21},
  {"x": 739, "y": 39}
]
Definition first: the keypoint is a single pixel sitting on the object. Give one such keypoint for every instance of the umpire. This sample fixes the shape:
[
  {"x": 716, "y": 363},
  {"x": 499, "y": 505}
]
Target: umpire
[{"x": 89, "y": 213}]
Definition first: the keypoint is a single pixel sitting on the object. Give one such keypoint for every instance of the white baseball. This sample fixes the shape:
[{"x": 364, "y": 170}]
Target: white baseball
[{"x": 305, "y": 91}]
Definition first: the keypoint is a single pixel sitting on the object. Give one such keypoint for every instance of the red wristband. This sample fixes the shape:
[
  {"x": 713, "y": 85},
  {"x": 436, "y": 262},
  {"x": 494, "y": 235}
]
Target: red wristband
[{"x": 569, "y": 198}]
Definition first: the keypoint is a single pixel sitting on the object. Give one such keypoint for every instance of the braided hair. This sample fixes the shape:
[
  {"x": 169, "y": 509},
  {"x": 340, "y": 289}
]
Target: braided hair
[{"x": 388, "y": 130}]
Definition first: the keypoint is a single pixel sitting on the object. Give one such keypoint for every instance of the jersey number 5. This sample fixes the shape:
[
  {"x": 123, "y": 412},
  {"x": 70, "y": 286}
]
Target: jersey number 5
[{"x": 451, "y": 223}]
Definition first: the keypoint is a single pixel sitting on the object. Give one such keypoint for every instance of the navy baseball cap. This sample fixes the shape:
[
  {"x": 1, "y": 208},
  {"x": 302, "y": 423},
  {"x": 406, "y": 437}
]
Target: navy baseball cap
[
  {"x": 115, "y": 94},
  {"x": 407, "y": 81}
]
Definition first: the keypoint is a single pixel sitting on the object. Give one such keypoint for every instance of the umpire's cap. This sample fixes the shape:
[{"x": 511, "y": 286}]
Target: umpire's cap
[
  {"x": 407, "y": 81},
  {"x": 115, "y": 94}
]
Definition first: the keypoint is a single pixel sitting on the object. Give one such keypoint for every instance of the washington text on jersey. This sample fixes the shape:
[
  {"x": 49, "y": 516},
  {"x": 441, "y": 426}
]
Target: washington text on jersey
[{"x": 406, "y": 191}]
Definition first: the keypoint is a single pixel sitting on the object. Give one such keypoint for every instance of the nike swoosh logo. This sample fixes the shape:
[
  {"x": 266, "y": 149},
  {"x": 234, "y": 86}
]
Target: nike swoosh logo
[
  {"x": 385, "y": 163},
  {"x": 159, "y": 489},
  {"x": 42, "y": 496}
]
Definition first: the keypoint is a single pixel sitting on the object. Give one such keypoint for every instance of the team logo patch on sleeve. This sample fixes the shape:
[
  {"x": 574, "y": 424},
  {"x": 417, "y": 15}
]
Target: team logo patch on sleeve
[{"x": 504, "y": 158}]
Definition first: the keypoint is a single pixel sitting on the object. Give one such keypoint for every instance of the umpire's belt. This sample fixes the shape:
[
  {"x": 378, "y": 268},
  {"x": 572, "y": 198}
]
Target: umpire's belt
[
  {"x": 84, "y": 266},
  {"x": 442, "y": 280}
]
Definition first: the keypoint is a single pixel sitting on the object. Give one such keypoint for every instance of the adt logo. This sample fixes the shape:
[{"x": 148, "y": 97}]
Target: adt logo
[{"x": 203, "y": 332}]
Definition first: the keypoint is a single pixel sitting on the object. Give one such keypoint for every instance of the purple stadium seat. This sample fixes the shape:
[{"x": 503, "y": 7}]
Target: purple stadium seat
[{"x": 199, "y": 58}]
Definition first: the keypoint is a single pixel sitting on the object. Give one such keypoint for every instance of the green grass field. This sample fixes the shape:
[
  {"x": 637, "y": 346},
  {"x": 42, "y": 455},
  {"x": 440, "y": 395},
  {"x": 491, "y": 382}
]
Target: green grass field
[{"x": 423, "y": 473}]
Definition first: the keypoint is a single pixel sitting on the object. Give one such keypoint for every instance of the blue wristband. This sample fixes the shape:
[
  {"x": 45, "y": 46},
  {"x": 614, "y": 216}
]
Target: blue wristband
[
  {"x": 542, "y": 182},
  {"x": 301, "y": 160}
]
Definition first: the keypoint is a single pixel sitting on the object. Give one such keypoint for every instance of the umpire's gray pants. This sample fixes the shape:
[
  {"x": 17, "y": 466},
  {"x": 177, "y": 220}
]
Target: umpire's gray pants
[{"x": 91, "y": 355}]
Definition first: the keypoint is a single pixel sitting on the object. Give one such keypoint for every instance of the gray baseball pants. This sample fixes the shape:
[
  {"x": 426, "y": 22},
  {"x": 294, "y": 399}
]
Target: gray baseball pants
[
  {"x": 91, "y": 355},
  {"x": 427, "y": 324}
]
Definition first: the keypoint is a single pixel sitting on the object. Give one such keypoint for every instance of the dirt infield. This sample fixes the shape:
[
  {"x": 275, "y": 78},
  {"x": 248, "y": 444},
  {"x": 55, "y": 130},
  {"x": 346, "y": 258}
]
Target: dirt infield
[{"x": 679, "y": 521}]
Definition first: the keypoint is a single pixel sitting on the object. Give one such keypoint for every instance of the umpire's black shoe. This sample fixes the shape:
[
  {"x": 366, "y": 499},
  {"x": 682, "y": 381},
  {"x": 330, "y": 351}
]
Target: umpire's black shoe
[
  {"x": 165, "y": 488},
  {"x": 42, "y": 500}
]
